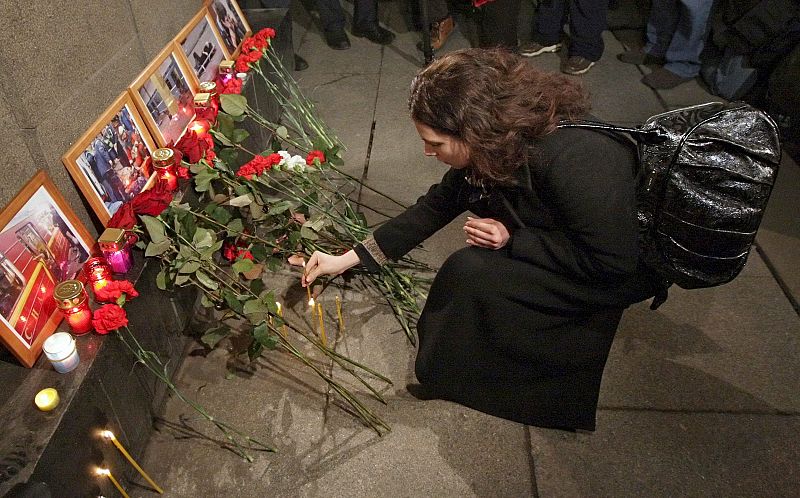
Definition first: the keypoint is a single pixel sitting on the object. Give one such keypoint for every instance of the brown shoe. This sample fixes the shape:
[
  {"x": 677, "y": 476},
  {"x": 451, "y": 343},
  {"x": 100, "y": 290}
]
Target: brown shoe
[{"x": 440, "y": 31}]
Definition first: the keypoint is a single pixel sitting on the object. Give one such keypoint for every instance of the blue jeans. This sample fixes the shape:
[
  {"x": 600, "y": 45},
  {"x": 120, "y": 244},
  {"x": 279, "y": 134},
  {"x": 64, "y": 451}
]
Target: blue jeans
[
  {"x": 587, "y": 20},
  {"x": 676, "y": 31}
]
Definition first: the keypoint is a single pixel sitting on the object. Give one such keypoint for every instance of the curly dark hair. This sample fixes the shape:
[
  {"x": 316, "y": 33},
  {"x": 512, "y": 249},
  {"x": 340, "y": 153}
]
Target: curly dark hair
[{"x": 496, "y": 103}]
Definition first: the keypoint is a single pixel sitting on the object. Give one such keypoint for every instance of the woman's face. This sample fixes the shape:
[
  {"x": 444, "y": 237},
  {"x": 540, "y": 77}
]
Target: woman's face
[{"x": 446, "y": 148}]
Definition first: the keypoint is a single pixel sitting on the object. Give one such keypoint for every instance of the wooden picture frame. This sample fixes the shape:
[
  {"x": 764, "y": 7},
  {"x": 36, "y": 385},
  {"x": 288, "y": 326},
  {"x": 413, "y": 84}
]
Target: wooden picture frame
[
  {"x": 164, "y": 94},
  {"x": 202, "y": 47},
  {"x": 230, "y": 23},
  {"x": 109, "y": 162},
  {"x": 42, "y": 243}
]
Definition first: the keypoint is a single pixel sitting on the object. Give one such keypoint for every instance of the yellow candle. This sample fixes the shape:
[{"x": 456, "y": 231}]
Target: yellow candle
[
  {"x": 339, "y": 315},
  {"x": 46, "y": 399},
  {"x": 308, "y": 288},
  {"x": 107, "y": 473},
  {"x": 110, "y": 436},
  {"x": 283, "y": 324},
  {"x": 322, "y": 335}
]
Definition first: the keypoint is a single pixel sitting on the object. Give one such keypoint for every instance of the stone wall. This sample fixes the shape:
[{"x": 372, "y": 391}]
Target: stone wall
[{"x": 61, "y": 65}]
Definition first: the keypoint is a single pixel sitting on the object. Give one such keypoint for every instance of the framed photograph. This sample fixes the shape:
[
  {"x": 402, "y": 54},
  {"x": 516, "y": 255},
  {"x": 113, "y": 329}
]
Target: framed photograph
[
  {"x": 42, "y": 243},
  {"x": 231, "y": 24},
  {"x": 164, "y": 94},
  {"x": 202, "y": 46},
  {"x": 109, "y": 162}
]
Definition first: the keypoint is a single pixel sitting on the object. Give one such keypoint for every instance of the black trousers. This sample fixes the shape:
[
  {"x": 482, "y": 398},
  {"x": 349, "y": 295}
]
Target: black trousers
[
  {"x": 587, "y": 21},
  {"x": 498, "y": 24}
]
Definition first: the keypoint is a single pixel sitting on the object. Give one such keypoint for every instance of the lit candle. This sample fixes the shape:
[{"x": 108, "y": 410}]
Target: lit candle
[
  {"x": 46, "y": 399},
  {"x": 339, "y": 315},
  {"x": 200, "y": 127},
  {"x": 98, "y": 273},
  {"x": 62, "y": 352},
  {"x": 322, "y": 335},
  {"x": 110, "y": 436},
  {"x": 74, "y": 304},
  {"x": 164, "y": 164},
  {"x": 280, "y": 315},
  {"x": 116, "y": 248},
  {"x": 107, "y": 473},
  {"x": 308, "y": 287}
]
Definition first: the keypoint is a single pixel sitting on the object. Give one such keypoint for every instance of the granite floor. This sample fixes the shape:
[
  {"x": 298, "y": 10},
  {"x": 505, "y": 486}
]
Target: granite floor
[{"x": 700, "y": 398}]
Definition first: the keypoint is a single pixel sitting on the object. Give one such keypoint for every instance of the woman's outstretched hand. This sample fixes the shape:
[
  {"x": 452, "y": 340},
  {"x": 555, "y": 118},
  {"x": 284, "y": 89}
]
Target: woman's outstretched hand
[
  {"x": 486, "y": 232},
  {"x": 326, "y": 264}
]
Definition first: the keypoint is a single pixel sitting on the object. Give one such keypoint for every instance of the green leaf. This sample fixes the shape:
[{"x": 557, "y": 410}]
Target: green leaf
[
  {"x": 202, "y": 180},
  {"x": 253, "y": 306},
  {"x": 233, "y": 301},
  {"x": 161, "y": 279},
  {"x": 235, "y": 226},
  {"x": 282, "y": 132},
  {"x": 279, "y": 207},
  {"x": 233, "y": 104},
  {"x": 221, "y": 215},
  {"x": 274, "y": 264},
  {"x": 254, "y": 350},
  {"x": 182, "y": 279},
  {"x": 212, "y": 336},
  {"x": 155, "y": 228},
  {"x": 242, "y": 266},
  {"x": 259, "y": 252},
  {"x": 224, "y": 141},
  {"x": 239, "y": 135},
  {"x": 256, "y": 286},
  {"x": 206, "y": 280},
  {"x": 264, "y": 336},
  {"x": 156, "y": 249},
  {"x": 205, "y": 302},
  {"x": 228, "y": 156},
  {"x": 225, "y": 124},
  {"x": 203, "y": 238},
  {"x": 189, "y": 267},
  {"x": 307, "y": 233},
  {"x": 241, "y": 201}
]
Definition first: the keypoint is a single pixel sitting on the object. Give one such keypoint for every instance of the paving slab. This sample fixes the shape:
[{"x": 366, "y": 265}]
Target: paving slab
[
  {"x": 730, "y": 348},
  {"x": 657, "y": 454}
]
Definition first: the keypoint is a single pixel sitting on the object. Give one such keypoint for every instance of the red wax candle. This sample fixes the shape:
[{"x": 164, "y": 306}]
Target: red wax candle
[
  {"x": 98, "y": 273},
  {"x": 164, "y": 164},
  {"x": 74, "y": 304},
  {"x": 200, "y": 127}
]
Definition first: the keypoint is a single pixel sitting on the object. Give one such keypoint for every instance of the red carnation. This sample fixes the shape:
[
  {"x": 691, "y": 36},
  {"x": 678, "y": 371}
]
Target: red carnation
[
  {"x": 229, "y": 84},
  {"x": 265, "y": 35},
  {"x": 259, "y": 165},
  {"x": 192, "y": 146},
  {"x": 124, "y": 218},
  {"x": 152, "y": 202},
  {"x": 315, "y": 154},
  {"x": 114, "y": 289},
  {"x": 109, "y": 317}
]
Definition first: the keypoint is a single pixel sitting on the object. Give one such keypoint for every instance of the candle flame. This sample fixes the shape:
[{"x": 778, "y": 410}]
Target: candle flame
[
  {"x": 107, "y": 434},
  {"x": 278, "y": 305},
  {"x": 311, "y": 302},
  {"x": 103, "y": 472}
]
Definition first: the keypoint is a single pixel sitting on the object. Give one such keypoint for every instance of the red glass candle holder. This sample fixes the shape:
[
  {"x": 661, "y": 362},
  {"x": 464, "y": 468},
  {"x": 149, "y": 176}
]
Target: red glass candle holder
[
  {"x": 98, "y": 273},
  {"x": 200, "y": 126},
  {"x": 74, "y": 304},
  {"x": 204, "y": 109},
  {"x": 164, "y": 164},
  {"x": 116, "y": 248}
]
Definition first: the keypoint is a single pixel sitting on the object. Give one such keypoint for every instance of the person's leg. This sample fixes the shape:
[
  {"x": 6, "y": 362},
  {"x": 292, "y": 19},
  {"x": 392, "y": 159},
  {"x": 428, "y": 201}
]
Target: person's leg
[
  {"x": 587, "y": 21},
  {"x": 365, "y": 14},
  {"x": 683, "y": 53},
  {"x": 548, "y": 25},
  {"x": 331, "y": 15},
  {"x": 498, "y": 25},
  {"x": 661, "y": 25}
]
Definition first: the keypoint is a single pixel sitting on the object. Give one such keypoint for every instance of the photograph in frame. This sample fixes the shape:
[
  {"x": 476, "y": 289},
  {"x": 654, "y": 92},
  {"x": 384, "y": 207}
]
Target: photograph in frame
[
  {"x": 202, "y": 46},
  {"x": 42, "y": 243},
  {"x": 110, "y": 161},
  {"x": 230, "y": 23},
  {"x": 164, "y": 95}
]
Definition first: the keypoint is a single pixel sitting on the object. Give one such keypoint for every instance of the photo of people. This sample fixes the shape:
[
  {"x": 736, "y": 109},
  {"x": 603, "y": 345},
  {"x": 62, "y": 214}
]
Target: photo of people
[
  {"x": 39, "y": 248},
  {"x": 168, "y": 98},
  {"x": 203, "y": 50},
  {"x": 229, "y": 24},
  {"x": 114, "y": 161}
]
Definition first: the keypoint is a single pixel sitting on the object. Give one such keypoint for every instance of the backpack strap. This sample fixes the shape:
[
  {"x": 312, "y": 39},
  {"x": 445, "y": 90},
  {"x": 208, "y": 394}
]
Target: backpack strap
[{"x": 648, "y": 137}]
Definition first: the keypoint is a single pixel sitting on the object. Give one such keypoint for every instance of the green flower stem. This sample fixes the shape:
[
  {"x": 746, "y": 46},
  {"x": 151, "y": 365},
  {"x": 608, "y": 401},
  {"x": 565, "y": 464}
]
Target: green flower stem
[
  {"x": 366, "y": 186},
  {"x": 153, "y": 363}
]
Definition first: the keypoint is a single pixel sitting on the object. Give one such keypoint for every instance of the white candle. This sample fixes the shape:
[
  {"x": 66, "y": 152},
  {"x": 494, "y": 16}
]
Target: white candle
[{"x": 60, "y": 349}]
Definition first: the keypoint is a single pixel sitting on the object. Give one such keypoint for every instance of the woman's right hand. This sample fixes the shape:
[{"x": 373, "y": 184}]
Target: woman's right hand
[{"x": 326, "y": 264}]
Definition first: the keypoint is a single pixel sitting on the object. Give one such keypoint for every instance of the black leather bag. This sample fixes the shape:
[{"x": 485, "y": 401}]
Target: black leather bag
[{"x": 706, "y": 174}]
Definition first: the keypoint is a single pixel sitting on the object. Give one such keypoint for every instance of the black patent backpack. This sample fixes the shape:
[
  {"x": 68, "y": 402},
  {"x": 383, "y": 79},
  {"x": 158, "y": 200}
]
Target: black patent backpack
[{"x": 706, "y": 174}]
